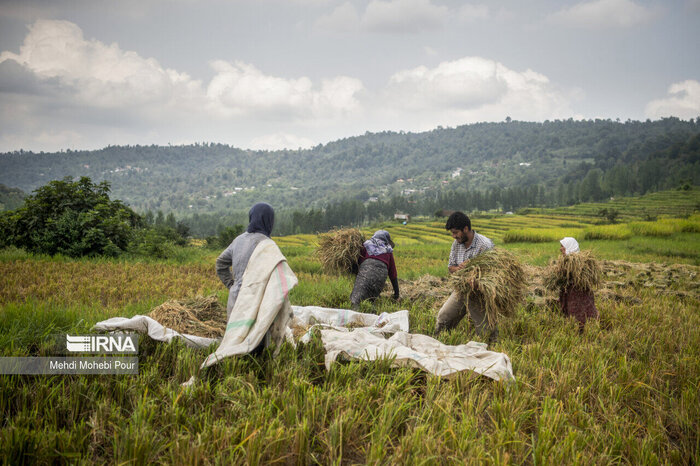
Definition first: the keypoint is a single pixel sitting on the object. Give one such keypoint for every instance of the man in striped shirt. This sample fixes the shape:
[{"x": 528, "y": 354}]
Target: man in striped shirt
[{"x": 467, "y": 245}]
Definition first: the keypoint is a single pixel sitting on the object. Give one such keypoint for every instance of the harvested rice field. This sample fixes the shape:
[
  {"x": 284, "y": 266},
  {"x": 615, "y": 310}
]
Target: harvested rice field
[{"x": 625, "y": 390}]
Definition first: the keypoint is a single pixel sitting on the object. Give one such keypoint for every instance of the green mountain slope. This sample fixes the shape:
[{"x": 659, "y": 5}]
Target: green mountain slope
[{"x": 563, "y": 158}]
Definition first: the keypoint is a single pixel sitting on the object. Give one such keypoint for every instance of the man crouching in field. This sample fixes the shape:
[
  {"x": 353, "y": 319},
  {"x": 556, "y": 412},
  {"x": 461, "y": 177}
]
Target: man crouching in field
[{"x": 467, "y": 245}]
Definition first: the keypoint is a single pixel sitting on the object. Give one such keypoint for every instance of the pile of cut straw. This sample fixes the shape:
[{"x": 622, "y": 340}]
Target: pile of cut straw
[
  {"x": 338, "y": 250},
  {"x": 201, "y": 316},
  {"x": 580, "y": 270},
  {"x": 495, "y": 278}
]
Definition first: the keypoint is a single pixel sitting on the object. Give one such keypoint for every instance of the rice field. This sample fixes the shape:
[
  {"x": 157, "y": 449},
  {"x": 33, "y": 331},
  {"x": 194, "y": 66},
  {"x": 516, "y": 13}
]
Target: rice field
[{"x": 626, "y": 390}]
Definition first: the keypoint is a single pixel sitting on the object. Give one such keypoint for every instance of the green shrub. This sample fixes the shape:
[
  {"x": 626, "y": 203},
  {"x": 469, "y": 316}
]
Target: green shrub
[
  {"x": 70, "y": 218},
  {"x": 225, "y": 237},
  {"x": 152, "y": 243}
]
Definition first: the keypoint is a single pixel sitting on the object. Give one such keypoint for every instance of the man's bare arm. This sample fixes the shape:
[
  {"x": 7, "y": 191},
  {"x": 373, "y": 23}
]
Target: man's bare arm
[{"x": 454, "y": 268}]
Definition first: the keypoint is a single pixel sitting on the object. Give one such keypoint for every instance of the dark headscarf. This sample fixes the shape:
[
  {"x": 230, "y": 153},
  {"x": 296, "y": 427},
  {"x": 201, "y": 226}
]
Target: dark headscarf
[{"x": 261, "y": 217}]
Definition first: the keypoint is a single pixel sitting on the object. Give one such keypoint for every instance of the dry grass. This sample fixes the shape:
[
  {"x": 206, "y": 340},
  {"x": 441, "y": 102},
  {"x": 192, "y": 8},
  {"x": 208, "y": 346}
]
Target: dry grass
[
  {"x": 109, "y": 285},
  {"x": 201, "y": 316},
  {"x": 580, "y": 270},
  {"x": 338, "y": 250},
  {"x": 497, "y": 278},
  {"x": 425, "y": 287}
]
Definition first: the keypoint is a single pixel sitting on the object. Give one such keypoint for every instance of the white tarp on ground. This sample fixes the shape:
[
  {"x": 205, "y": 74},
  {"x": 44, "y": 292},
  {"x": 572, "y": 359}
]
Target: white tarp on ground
[
  {"x": 152, "y": 328},
  {"x": 417, "y": 350},
  {"x": 310, "y": 317},
  {"x": 367, "y": 342},
  {"x": 304, "y": 316}
]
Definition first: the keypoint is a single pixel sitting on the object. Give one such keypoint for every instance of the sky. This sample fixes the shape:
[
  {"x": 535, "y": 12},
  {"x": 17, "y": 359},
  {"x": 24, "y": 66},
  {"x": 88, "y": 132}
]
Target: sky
[{"x": 273, "y": 74}]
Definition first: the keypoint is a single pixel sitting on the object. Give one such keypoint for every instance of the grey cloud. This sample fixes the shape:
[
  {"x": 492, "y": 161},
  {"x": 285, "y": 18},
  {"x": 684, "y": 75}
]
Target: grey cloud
[
  {"x": 403, "y": 16},
  {"x": 18, "y": 79}
]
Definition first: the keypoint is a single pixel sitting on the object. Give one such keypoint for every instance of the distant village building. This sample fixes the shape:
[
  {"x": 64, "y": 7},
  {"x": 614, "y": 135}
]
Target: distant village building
[
  {"x": 403, "y": 217},
  {"x": 457, "y": 172}
]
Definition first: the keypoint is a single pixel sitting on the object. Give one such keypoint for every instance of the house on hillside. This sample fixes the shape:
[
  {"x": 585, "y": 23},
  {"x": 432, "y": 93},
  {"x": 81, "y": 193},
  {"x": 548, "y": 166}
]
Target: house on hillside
[{"x": 402, "y": 217}]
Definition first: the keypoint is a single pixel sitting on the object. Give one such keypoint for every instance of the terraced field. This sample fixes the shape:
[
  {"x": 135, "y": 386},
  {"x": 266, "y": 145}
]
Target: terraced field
[{"x": 626, "y": 390}]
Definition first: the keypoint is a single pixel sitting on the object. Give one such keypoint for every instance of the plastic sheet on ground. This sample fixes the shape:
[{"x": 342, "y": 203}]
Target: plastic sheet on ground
[
  {"x": 152, "y": 328},
  {"x": 417, "y": 350},
  {"x": 304, "y": 317},
  {"x": 309, "y": 317},
  {"x": 366, "y": 341}
]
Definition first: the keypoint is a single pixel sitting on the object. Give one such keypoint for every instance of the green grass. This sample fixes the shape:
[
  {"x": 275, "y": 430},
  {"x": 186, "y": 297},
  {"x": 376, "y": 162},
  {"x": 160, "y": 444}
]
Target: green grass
[
  {"x": 539, "y": 235},
  {"x": 625, "y": 390},
  {"x": 614, "y": 232}
]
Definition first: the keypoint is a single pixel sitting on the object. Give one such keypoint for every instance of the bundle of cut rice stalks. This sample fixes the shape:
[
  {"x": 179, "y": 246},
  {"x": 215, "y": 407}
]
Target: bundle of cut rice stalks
[
  {"x": 201, "y": 316},
  {"x": 580, "y": 270},
  {"x": 338, "y": 250},
  {"x": 496, "y": 278}
]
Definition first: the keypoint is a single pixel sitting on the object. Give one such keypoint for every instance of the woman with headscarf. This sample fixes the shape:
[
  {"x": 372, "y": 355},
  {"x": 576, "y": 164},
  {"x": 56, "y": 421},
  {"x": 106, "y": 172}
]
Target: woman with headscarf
[
  {"x": 376, "y": 262},
  {"x": 576, "y": 302},
  {"x": 236, "y": 256}
]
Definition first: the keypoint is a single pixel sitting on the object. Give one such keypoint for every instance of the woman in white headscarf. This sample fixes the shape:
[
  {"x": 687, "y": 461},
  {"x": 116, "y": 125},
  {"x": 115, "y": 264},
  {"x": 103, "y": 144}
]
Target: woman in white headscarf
[
  {"x": 576, "y": 302},
  {"x": 376, "y": 264}
]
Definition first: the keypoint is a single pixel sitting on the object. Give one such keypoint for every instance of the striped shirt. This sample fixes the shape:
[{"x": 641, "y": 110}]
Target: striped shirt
[{"x": 459, "y": 253}]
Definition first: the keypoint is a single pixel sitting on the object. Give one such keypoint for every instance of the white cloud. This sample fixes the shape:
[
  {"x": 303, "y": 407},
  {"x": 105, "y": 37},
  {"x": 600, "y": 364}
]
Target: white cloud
[
  {"x": 279, "y": 141},
  {"x": 474, "y": 89},
  {"x": 240, "y": 88},
  {"x": 603, "y": 14},
  {"x": 62, "y": 90},
  {"x": 97, "y": 74},
  {"x": 403, "y": 16},
  {"x": 344, "y": 18},
  {"x": 683, "y": 102},
  {"x": 91, "y": 94},
  {"x": 471, "y": 12}
]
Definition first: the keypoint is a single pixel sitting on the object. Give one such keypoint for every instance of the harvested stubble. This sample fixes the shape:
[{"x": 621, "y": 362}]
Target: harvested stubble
[
  {"x": 425, "y": 287},
  {"x": 580, "y": 270},
  {"x": 338, "y": 250},
  {"x": 201, "y": 316},
  {"x": 496, "y": 278}
]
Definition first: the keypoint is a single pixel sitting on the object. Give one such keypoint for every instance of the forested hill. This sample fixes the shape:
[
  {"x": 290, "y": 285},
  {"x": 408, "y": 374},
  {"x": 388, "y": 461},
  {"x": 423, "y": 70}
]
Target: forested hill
[
  {"x": 10, "y": 198},
  {"x": 562, "y": 161}
]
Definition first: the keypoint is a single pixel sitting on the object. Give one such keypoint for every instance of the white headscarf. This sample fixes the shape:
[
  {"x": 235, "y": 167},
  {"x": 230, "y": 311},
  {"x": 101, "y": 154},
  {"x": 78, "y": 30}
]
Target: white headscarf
[{"x": 570, "y": 245}]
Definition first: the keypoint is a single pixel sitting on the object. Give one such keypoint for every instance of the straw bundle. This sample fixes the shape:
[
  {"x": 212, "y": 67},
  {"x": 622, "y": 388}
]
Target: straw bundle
[
  {"x": 580, "y": 270},
  {"x": 495, "y": 278},
  {"x": 338, "y": 250},
  {"x": 201, "y": 316}
]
